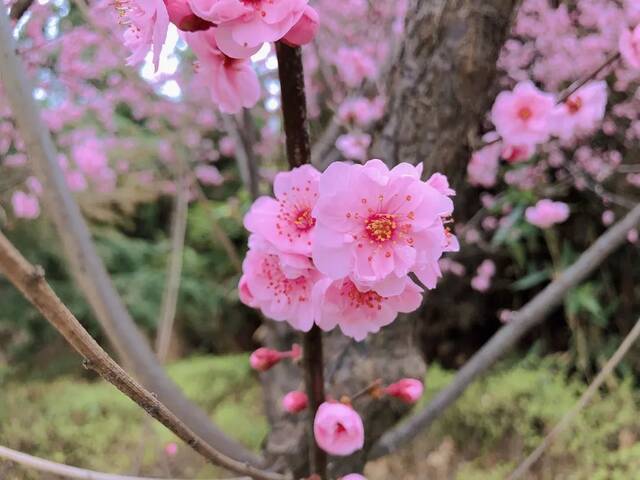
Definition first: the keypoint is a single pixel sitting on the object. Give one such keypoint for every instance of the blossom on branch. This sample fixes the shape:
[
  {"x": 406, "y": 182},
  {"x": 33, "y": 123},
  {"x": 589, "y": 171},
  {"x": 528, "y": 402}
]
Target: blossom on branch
[{"x": 338, "y": 429}]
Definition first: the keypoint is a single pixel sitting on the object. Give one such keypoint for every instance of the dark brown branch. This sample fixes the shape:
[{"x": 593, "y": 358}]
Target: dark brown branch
[
  {"x": 294, "y": 104},
  {"x": 86, "y": 266},
  {"x": 19, "y": 9},
  {"x": 294, "y": 112},
  {"x": 32, "y": 284},
  {"x": 524, "y": 320}
]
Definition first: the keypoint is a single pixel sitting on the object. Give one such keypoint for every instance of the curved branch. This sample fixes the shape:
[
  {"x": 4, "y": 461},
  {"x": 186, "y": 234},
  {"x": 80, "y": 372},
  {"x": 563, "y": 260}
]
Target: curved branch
[
  {"x": 31, "y": 283},
  {"x": 19, "y": 9},
  {"x": 86, "y": 266},
  {"x": 524, "y": 320},
  {"x": 67, "y": 471}
]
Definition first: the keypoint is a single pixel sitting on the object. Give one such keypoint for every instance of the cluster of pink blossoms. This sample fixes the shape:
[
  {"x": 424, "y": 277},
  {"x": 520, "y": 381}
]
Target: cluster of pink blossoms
[
  {"x": 223, "y": 34},
  {"x": 336, "y": 249}
]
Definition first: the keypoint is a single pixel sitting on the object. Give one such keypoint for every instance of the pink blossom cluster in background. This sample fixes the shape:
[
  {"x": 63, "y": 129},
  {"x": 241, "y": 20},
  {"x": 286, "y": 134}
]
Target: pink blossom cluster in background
[
  {"x": 336, "y": 249},
  {"x": 222, "y": 34}
]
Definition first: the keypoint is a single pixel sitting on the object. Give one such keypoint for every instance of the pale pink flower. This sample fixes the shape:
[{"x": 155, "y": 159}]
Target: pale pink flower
[
  {"x": 279, "y": 284},
  {"x": 632, "y": 235},
  {"x": 409, "y": 390},
  {"x": 181, "y": 15},
  {"x": 295, "y": 402},
  {"x": 361, "y": 111},
  {"x": 76, "y": 180},
  {"x": 629, "y": 46},
  {"x": 373, "y": 222},
  {"x": 354, "y": 146},
  {"x": 547, "y": 213},
  {"x": 608, "y": 217},
  {"x": 582, "y": 112},
  {"x": 208, "y": 175},
  {"x": 34, "y": 185},
  {"x": 171, "y": 449},
  {"x": 25, "y": 205},
  {"x": 232, "y": 83},
  {"x": 522, "y": 116},
  {"x": 287, "y": 221},
  {"x": 353, "y": 476},
  {"x": 338, "y": 429},
  {"x": 305, "y": 30},
  {"x": 359, "y": 309},
  {"x": 227, "y": 146},
  {"x": 148, "y": 24},
  {"x": 354, "y": 66},
  {"x": 243, "y": 26},
  {"x": 482, "y": 169},
  {"x": 90, "y": 158}
]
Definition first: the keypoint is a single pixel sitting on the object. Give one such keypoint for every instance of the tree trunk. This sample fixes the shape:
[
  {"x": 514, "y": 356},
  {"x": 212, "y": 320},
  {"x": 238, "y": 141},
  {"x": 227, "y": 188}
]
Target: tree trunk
[{"x": 438, "y": 93}]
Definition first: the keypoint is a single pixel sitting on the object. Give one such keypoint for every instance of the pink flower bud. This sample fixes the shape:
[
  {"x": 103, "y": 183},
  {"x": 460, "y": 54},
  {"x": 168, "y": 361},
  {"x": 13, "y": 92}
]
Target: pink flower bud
[
  {"x": 305, "y": 30},
  {"x": 338, "y": 429},
  {"x": 408, "y": 390},
  {"x": 296, "y": 352},
  {"x": 295, "y": 402},
  {"x": 353, "y": 476},
  {"x": 181, "y": 15},
  {"x": 264, "y": 358},
  {"x": 171, "y": 449}
]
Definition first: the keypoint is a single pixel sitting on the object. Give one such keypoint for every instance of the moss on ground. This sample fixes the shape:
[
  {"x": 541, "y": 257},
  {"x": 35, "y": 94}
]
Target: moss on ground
[{"x": 499, "y": 419}]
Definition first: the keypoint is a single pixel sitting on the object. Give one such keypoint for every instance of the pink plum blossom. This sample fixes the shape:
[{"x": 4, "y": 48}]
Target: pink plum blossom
[
  {"x": 353, "y": 476},
  {"x": 208, "y": 175},
  {"x": 295, "y": 402},
  {"x": 171, "y": 449},
  {"x": 76, "y": 180},
  {"x": 482, "y": 169},
  {"x": 305, "y": 30},
  {"x": 279, "y": 284},
  {"x": 482, "y": 280},
  {"x": 373, "y": 222},
  {"x": 355, "y": 65},
  {"x": 354, "y": 146},
  {"x": 517, "y": 153},
  {"x": 547, "y": 213},
  {"x": 361, "y": 111},
  {"x": 582, "y": 112},
  {"x": 181, "y": 15},
  {"x": 265, "y": 358},
  {"x": 25, "y": 205},
  {"x": 148, "y": 24},
  {"x": 232, "y": 83},
  {"x": 243, "y": 26},
  {"x": 629, "y": 46},
  {"x": 359, "y": 309},
  {"x": 409, "y": 390},
  {"x": 287, "y": 221},
  {"x": 338, "y": 429},
  {"x": 522, "y": 116}
]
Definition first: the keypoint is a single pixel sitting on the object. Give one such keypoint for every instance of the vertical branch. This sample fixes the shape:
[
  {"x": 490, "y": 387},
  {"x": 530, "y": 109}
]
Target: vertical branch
[
  {"x": 294, "y": 113},
  {"x": 172, "y": 286}
]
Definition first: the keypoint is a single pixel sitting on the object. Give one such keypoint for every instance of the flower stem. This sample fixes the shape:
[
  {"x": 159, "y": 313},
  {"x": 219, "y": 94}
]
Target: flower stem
[{"x": 294, "y": 113}]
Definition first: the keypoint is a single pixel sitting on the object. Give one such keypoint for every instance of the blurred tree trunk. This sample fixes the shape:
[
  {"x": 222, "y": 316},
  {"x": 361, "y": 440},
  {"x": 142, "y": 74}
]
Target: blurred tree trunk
[{"x": 438, "y": 93}]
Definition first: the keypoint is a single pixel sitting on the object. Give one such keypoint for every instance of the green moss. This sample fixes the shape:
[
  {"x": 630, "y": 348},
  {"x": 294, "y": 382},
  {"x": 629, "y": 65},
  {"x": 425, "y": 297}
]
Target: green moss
[{"x": 91, "y": 425}]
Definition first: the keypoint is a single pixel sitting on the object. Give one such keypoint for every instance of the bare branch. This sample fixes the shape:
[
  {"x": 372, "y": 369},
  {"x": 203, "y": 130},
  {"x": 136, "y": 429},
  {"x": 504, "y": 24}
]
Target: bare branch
[
  {"x": 524, "y": 320},
  {"x": 86, "y": 266},
  {"x": 294, "y": 113},
  {"x": 31, "y": 283},
  {"x": 172, "y": 286},
  {"x": 245, "y": 158},
  {"x": 585, "y": 398},
  {"x": 19, "y": 9},
  {"x": 67, "y": 471}
]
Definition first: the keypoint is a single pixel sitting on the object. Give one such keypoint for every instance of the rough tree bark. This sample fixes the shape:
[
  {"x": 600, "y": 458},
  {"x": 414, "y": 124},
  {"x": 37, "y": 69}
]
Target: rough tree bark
[{"x": 438, "y": 92}]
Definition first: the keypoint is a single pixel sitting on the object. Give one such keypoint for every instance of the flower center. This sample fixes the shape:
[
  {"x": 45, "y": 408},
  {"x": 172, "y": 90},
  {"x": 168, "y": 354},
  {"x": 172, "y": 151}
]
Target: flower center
[
  {"x": 574, "y": 105},
  {"x": 304, "y": 221},
  {"x": 340, "y": 428},
  {"x": 381, "y": 227},
  {"x": 525, "y": 113},
  {"x": 359, "y": 299}
]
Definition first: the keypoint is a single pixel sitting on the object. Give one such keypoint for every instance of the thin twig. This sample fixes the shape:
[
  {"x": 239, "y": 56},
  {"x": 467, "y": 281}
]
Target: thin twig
[
  {"x": 530, "y": 315},
  {"x": 294, "y": 112},
  {"x": 32, "y": 284},
  {"x": 585, "y": 398},
  {"x": 19, "y": 9},
  {"x": 67, "y": 471},
  {"x": 86, "y": 266},
  {"x": 245, "y": 158}
]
